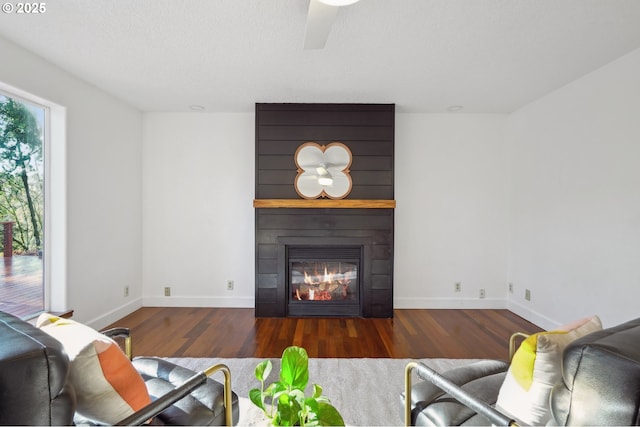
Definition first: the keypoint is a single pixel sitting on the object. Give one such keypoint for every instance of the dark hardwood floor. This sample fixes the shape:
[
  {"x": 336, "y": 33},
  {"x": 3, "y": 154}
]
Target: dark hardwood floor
[{"x": 236, "y": 332}]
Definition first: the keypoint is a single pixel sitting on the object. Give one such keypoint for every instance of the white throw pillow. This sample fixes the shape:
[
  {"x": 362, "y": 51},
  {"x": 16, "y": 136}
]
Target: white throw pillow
[{"x": 535, "y": 370}]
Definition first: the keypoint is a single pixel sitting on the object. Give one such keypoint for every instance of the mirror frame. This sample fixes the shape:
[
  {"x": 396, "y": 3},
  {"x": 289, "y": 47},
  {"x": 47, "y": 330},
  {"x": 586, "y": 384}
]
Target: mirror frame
[{"x": 319, "y": 190}]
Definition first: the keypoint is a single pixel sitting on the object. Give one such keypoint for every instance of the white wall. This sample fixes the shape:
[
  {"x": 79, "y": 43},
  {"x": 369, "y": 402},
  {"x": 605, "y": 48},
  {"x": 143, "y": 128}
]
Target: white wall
[
  {"x": 103, "y": 187},
  {"x": 198, "y": 216},
  {"x": 452, "y": 211},
  {"x": 575, "y": 199}
]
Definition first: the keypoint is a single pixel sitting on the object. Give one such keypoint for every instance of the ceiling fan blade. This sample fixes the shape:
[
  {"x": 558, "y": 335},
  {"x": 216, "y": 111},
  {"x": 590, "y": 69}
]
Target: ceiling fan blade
[{"x": 319, "y": 23}]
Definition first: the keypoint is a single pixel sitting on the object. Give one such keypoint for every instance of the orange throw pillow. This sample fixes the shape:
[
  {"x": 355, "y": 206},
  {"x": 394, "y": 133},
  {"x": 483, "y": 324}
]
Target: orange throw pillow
[{"x": 108, "y": 387}]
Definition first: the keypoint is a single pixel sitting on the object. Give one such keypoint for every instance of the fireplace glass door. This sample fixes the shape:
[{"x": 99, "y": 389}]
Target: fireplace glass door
[
  {"x": 324, "y": 281},
  {"x": 324, "y": 278}
]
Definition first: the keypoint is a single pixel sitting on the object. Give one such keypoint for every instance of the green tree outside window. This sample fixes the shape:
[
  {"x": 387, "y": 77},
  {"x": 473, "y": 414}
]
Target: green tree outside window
[{"x": 21, "y": 173}]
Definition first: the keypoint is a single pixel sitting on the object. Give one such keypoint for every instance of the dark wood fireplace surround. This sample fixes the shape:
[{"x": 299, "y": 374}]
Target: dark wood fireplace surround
[{"x": 364, "y": 218}]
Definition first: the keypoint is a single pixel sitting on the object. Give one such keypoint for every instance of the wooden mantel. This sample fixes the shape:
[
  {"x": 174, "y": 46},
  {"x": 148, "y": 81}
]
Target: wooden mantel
[{"x": 324, "y": 203}]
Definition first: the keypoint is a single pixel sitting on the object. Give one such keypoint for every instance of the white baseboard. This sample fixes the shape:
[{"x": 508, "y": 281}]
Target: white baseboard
[
  {"x": 118, "y": 313},
  {"x": 178, "y": 301},
  {"x": 115, "y": 314},
  {"x": 449, "y": 303},
  {"x": 532, "y": 316}
]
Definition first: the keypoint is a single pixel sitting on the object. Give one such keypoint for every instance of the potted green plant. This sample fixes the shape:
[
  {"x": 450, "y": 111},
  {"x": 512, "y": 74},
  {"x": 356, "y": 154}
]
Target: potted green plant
[{"x": 284, "y": 402}]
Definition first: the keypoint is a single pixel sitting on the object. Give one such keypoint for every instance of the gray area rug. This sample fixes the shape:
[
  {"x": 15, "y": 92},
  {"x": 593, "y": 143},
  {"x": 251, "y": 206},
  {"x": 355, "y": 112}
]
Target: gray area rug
[{"x": 365, "y": 391}]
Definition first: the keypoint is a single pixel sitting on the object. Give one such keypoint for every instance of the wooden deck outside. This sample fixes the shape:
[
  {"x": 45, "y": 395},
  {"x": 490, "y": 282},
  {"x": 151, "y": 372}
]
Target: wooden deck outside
[{"x": 21, "y": 286}]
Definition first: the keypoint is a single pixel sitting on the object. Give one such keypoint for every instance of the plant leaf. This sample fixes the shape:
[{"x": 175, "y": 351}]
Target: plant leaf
[
  {"x": 263, "y": 370},
  {"x": 256, "y": 397},
  {"x": 294, "y": 372},
  {"x": 328, "y": 415},
  {"x": 317, "y": 391}
]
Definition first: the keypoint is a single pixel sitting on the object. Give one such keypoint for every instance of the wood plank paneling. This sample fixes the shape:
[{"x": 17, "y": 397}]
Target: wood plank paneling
[
  {"x": 362, "y": 127},
  {"x": 326, "y": 133},
  {"x": 360, "y": 192},
  {"x": 319, "y": 117},
  {"x": 278, "y": 177}
]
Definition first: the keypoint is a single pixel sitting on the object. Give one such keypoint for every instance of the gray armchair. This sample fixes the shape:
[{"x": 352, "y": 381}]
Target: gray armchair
[
  {"x": 35, "y": 390},
  {"x": 600, "y": 386}
]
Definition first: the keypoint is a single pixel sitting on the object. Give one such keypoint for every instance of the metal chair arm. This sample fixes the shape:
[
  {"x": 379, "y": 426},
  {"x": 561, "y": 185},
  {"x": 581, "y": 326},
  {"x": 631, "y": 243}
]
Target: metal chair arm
[
  {"x": 124, "y": 333},
  {"x": 163, "y": 402},
  {"x": 512, "y": 342},
  {"x": 426, "y": 373},
  {"x": 117, "y": 332}
]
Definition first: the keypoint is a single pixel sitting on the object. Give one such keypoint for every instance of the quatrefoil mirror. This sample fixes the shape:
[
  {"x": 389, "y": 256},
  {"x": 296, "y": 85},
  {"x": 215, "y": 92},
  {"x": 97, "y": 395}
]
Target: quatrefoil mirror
[{"x": 323, "y": 170}]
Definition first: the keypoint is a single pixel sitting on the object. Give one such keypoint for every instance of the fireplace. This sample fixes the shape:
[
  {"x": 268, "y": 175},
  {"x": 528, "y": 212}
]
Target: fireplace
[
  {"x": 285, "y": 223},
  {"x": 324, "y": 280},
  {"x": 324, "y": 276}
]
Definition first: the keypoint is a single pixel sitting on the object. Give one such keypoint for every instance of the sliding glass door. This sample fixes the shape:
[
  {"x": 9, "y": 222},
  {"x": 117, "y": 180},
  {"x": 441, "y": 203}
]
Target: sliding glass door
[{"x": 22, "y": 138}]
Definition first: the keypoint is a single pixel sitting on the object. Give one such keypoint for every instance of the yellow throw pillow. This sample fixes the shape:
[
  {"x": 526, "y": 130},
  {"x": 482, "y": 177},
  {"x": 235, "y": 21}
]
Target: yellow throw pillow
[
  {"x": 535, "y": 370},
  {"x": 523, "y": 362},
  {"x": 108, "y": 388}
]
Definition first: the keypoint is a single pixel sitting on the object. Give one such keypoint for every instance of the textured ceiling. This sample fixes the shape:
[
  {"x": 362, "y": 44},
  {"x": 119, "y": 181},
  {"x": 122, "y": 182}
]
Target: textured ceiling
[{"x": 423, "y": 55}]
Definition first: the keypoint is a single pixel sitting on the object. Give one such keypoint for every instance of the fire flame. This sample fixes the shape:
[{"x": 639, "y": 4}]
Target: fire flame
[
  {"x": 323, "y": 287},
  {"x": 326, "y": 278}
]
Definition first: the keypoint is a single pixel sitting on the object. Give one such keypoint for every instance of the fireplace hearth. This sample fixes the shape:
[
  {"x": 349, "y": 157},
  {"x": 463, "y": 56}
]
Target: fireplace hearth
[{"x": 324, "y": 280}]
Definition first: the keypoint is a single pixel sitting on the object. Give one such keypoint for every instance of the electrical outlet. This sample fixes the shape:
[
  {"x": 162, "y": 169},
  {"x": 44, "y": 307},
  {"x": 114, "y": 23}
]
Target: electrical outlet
[
  {"x": 457, "y": 287},
  {"x": 229, "y": 285},
  {"x": 482, "y": 293},
  {"x": 527, "y": 294},
  {"x": 167, "y": 291},
  {"x": 510, "y": 288},
  {"x": 126, "y": 291}
]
